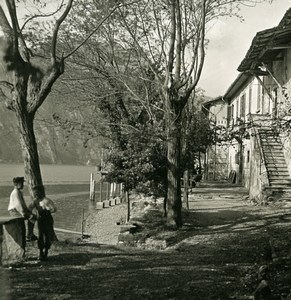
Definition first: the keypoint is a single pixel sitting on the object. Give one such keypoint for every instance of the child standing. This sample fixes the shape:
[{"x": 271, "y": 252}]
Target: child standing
[
  {"x": 45, "y": 223},
  {"x": 44, "y": 208}
]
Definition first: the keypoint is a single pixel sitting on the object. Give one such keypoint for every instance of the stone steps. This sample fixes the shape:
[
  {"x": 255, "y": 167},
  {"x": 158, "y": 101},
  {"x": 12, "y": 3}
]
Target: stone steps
[
  {"x": 273, "y": 170},
  {"x": 279, "y": 188},
  {"x": 108, "y": 203},
  {"x": 274, "y": 151},
  {"x": 273, "y": 145},
  {"x": 286, "y": 178},
  {"x": 275, "y": 162},
  {"x": 277, "y": 165},
  {"x": 279, "y": 173},
  {"x": 281, "y": 182},
  {"x": 275, "y": 155}
]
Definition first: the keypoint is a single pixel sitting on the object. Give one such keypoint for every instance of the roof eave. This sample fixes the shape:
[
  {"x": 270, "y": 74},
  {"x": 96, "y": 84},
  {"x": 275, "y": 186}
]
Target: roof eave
[{"x": 241, "y": 79}]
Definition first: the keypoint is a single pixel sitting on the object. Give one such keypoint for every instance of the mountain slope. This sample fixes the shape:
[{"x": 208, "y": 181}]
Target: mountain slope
[{"x": 54, "y": 144}]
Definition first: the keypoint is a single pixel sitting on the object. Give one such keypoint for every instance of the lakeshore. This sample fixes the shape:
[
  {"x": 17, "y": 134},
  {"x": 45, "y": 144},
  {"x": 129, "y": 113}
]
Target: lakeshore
[
  {"x": 73, "y": 205},
  {"x": 215, "y": 255},
  {"x": 68, "y": 186}
]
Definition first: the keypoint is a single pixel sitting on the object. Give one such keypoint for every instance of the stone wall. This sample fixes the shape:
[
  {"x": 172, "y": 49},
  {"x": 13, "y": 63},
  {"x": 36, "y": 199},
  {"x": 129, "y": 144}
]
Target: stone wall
[
  {"x": 258, "y": 175},
  {"x": 12, "y": 240},
  {"x": 286, "y": 142},
  {"x": 217, "y": 162}
]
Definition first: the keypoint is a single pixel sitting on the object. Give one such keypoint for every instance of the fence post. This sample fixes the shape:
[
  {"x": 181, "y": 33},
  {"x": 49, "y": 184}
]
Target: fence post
[
  {"x": 111, "y": 190},
  {"x": 92, "y": 188},
  {"x": 82, "y": 225},
  {"x": 121, "y": 191},
  {"x": 118, "y": 190},
  {"x": 101, "y": 187},
  {"x": 128, "y": 205}
]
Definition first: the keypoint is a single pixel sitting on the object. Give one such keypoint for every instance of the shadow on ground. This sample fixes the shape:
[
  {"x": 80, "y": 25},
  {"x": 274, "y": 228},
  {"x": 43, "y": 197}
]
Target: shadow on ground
[{"x": 215, "y": 255}]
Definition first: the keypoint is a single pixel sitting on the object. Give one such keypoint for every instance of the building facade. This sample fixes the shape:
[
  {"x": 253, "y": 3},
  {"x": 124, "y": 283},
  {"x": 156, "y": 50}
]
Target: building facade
[
  {"x": 216, "y": 163},
  {"x": 258, "y": 105}
]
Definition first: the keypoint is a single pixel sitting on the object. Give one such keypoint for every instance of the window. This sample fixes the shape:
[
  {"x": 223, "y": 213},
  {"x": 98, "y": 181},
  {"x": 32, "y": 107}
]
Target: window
[
  {"x": 275, "y": 103},
  {"x": 259, "y": 97},
  {"x": 250, "y": 99},
  {"x": 230, "y": 112},
  {"x": 243, "y": 106},
  {"x": 263, "y": 101},
  {"x": 268, "y": 101}
]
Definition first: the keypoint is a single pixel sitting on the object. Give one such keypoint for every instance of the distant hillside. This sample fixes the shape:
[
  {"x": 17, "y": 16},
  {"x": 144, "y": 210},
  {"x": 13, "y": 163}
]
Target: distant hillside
[{"x": 53, "y": 146}]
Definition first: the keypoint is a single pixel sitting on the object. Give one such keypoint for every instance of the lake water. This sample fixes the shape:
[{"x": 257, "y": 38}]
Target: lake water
[
  {"x": 67, "y": 185},
  {"x": 51, "y": 174}
]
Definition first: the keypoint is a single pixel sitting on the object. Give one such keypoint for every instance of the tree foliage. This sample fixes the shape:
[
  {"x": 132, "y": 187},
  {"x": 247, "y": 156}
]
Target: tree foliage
[
  {"x": 35, "y": 57},
  {"x": 144, "y": 57}
]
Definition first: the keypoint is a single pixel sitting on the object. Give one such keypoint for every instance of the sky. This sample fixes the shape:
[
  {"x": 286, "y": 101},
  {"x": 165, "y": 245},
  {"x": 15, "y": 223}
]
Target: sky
[{"x": 230, "y": 40}]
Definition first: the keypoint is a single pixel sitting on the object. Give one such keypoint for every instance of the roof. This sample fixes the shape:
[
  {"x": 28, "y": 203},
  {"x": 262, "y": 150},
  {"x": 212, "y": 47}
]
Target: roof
[
  {"x": 241, "y": 79},
  {"x": 267, "y": 44},
  {"x": 212, "y": 101}
]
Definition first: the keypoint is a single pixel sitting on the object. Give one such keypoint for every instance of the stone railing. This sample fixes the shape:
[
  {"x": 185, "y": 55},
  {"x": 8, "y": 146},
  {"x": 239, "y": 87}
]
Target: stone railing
[
  {"x": 258, "y": 175},
  {"x": 12, "y": 241}
]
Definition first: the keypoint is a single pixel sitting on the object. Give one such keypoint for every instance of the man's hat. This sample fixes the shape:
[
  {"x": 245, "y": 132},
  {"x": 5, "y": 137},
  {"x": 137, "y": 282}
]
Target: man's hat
[{"x": 18, "y": 180}]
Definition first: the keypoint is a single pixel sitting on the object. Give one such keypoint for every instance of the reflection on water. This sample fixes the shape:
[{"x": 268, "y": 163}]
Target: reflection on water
[
  {"x": 68, "y": 186},
  {"x": 59, "y": 174}
]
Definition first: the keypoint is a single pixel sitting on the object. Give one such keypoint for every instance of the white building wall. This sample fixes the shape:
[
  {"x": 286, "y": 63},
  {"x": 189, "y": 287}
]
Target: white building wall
[
  {"x": 218, "y": 110},
  {"x": 251, "y": 93},
  {"x": 281, "y": 69}
]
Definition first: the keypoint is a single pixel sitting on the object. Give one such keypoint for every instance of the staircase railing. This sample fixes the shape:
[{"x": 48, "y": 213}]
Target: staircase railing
[{"x": 259, "y": 150}]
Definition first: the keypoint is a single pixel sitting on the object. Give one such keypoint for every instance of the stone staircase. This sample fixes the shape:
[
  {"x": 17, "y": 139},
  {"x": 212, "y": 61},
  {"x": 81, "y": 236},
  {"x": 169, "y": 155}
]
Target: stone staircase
[{"x": 278, "y": 174}]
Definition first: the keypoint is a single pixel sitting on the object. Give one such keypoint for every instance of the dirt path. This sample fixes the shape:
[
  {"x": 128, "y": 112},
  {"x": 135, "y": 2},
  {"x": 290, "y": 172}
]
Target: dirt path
[
  {"x": 102, "y": 225},
  {"x": 216, "y": 255}
]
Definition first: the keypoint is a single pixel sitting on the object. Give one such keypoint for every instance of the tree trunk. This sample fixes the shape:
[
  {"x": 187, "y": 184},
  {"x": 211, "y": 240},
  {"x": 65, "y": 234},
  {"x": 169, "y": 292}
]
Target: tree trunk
[
  {"x": 174, "y": 203},
  {"x": 240, "y": 169},
  {"x": 186, "y": 188},
  {"x": 30, "y": 153},
  {"x": 199, "y": 163},
  {"x": 27, "y": 137}
]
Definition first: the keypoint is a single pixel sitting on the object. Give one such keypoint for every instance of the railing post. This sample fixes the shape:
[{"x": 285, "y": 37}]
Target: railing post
[
  {"x": 107, "y": 190},
  {"x": 92, "y": 187},
  {"x": 101, "y": 187}
]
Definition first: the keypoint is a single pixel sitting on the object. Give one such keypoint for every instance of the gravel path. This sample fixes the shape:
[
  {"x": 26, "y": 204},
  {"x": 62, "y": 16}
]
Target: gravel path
[
  {"x": 102, "y": 226},
  {"x": 216, "y": 255}
]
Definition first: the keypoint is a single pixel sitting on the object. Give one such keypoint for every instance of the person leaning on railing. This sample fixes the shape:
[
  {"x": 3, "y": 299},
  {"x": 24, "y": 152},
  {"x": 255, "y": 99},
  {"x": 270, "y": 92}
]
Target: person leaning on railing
[{"x": 18, "y": 208}]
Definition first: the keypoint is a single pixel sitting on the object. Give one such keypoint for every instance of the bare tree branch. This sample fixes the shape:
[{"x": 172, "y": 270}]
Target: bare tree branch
[
  {"x": 7, "y": 84},
  {"x": 8, "y": 102},
  {"x": 202, "y": 51},
  {"x": 140, "y": 49},
  {"x": 4, "y": 24},
  {"x": 17, "y": 34},
  {"x": 178, "y": 42},
  {"x": 42, "y": 15},
  {"x": 171, "y": 53},
  {"x": 98, "y": 26},
  {"x": 58, "y": 23}
]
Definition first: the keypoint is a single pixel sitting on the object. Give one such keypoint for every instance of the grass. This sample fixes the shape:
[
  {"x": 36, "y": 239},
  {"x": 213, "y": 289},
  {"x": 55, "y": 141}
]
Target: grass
[{"x": 214, "y": 256}]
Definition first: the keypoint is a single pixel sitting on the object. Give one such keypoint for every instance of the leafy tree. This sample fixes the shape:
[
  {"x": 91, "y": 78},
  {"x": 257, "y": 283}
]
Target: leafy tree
[
  {"x": 35, "y": 62},
  {"x": 141, "y": 163},
  {"x": 171, "y": 36}
]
